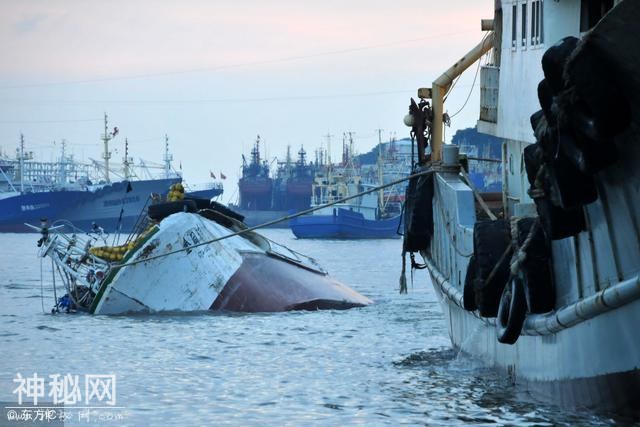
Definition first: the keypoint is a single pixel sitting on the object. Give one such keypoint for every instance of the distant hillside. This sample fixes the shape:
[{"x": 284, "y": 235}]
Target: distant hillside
[
  {"x": 371, "y": 157},
  {"x": 485, "y": 146}
]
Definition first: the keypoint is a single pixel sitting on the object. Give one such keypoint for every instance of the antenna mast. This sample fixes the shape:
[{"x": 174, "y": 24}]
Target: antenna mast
[
  {"x": 380, "y": 176},
  {"x": 107, "y": 154},
  {"x": 21, "y": 163},
  {"x": 125, "y": 161},
  {"x": 328, "y": 136},
  {"x": 167, "y": 158}
]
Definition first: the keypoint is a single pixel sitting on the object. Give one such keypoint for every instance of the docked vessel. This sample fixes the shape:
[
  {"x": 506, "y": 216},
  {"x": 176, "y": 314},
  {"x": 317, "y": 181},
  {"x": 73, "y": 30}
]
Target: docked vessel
[
  {"x": 190, "y": 255},
  {"x": 370, "y": 216},
  {"x": 545, "y": 286},
  {"x": 264, "y": 197},
  {"x": 82, "y": 193}
]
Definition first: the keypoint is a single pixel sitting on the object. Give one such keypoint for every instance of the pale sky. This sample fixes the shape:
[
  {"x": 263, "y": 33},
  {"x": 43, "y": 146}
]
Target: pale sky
[{"x": 214, "y": 74}]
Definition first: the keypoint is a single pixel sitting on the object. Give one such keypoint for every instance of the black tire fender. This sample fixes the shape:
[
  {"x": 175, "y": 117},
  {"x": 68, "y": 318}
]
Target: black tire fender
[
  {"x": 160, "y": 211},
  {"x": 511, "y": 312},
  {"x": 491, "y": 239}
]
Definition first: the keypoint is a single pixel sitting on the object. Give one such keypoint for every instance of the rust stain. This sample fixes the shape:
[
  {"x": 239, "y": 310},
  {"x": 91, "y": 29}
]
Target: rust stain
[{"x": 148, "y": 250}]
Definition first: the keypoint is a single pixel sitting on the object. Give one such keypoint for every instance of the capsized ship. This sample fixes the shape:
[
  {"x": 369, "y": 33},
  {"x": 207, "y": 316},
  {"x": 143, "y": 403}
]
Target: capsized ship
[
  {"x": 545, "y": 286},
  {"x": 191, "y": 255},
  {"x": 81, "y": 193}
]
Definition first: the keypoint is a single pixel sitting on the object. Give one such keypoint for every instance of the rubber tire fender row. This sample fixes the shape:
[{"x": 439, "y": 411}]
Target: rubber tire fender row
[
  {"x": 536, "y": 270},
  {"x": 418, "y": 214},
  {"x": 160, "y": 211},
  {"x": 512, "y": 311}
]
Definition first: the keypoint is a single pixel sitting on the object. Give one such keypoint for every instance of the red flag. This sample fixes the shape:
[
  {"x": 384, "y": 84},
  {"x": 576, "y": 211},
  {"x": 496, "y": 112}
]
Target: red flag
[
  {"x": 212, "y": 175},
  {"x": 222, "y": 176}
]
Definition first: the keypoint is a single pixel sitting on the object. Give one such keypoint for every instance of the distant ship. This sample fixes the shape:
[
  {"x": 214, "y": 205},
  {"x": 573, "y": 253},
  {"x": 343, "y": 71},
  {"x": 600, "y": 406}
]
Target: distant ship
[
  {"x": 82, "y": 194},
  {"x": 371, "y": 216},
  {"x": 264, "y": 197}
]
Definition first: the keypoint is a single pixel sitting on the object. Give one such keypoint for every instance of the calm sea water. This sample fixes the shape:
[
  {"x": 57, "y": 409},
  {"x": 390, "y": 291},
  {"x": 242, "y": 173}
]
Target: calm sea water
[{"x": 387, "y": 364}]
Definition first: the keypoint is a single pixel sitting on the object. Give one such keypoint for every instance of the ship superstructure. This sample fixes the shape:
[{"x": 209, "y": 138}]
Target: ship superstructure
[
  {"x": 256, "y": 184},
  {"x": 545, "y": 285}
]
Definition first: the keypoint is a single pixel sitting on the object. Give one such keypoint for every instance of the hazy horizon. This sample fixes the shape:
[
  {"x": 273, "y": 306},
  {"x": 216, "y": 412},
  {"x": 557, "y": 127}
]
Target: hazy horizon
[{"x": 213, "y": 75}]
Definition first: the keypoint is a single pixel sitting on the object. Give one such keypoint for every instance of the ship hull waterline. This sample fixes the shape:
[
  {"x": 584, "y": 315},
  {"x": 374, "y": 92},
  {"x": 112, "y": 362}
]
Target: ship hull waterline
[
  {"x": 344, "y": 225},
  {"x": 585, "y": 365}
]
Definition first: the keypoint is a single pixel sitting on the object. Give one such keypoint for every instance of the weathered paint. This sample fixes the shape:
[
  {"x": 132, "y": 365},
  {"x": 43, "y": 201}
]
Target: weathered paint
[
  {"x": 193, "y": 279},
  {"x": 270, "y": 283}
]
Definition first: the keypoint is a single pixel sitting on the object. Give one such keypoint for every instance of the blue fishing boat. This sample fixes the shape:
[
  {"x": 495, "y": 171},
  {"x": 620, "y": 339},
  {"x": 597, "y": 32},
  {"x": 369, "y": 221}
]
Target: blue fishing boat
[
  {"x": 371, "y": 216},
  {"x": 344, "y": 223}
]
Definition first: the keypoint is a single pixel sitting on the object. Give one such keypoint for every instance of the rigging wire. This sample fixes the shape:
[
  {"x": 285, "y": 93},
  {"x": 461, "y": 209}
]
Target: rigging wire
[
  {"x": 214, "y": 100},
  {"x": 276, "y": 221},
  {"x": 41, "y": 287},
  {"x": 48, "y": 121},
  {"x": 469, "y": 95},
  {"x": 472, "y": 85}
]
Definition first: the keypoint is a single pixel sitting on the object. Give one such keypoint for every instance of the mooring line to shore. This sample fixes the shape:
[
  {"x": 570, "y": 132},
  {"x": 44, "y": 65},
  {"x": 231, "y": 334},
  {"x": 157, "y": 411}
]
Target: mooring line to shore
[{"x": 278, "y": 220}]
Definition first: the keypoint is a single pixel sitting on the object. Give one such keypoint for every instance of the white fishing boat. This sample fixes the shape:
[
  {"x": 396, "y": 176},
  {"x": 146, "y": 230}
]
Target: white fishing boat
[
  {"x": 192, "y": 255},
  {"x": 545, "y": 286}
]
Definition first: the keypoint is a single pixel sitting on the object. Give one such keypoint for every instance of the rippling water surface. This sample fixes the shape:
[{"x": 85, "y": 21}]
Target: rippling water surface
[{"x": 390, "y": 363}]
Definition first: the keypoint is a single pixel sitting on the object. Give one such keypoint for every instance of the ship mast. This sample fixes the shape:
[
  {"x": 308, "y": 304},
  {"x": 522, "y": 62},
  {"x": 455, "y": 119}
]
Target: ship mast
[
  {"x": 328, "y": 136},
  {"x": 62, "y": 171},
  {"x": 380, "y": 177},
  {"x": 288, "y": 160},
  {"x": 21, "y": 163},
  {"x": 167, "y": 158},
  {"x": 125, "y": 161},
  {"x": 107, "y": 154}
]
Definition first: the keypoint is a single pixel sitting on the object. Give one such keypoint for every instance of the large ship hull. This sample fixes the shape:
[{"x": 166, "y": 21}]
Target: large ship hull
[
  {"x": 589, "y": 364},
  {"x": 344, "y": 224},
  {"x": 582, "y": 353},
  {"x": 115, "y": 207},
  {"x": 258, "y": 217},
  {"x": 205, "y": 194},
  {"x": 31, "y": 207}
]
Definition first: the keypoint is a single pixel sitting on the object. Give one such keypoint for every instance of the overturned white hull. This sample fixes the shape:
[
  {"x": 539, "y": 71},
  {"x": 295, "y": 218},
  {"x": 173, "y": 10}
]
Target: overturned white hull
[{"x": 236, "y": 273}]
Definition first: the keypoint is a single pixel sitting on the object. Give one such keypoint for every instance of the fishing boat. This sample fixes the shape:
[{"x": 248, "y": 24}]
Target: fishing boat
[
  {"x": 371, "y": 216},
  {"x": 545, "y": 285},
  {"x": 188, "y": 255},
  {"x": 89, "y": 195}
]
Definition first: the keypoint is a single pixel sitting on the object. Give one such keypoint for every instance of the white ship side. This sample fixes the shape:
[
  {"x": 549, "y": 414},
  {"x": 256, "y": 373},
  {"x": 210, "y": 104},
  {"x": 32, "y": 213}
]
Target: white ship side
[{"x": 584, "y": 352}]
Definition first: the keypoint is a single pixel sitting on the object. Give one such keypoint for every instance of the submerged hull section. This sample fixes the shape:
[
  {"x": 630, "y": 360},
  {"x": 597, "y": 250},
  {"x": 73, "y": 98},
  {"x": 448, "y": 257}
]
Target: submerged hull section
[
  {"x": 235, "y": 274},
  {"x": 268, "y": 283},
  {"x": 344, "y": 224}
]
